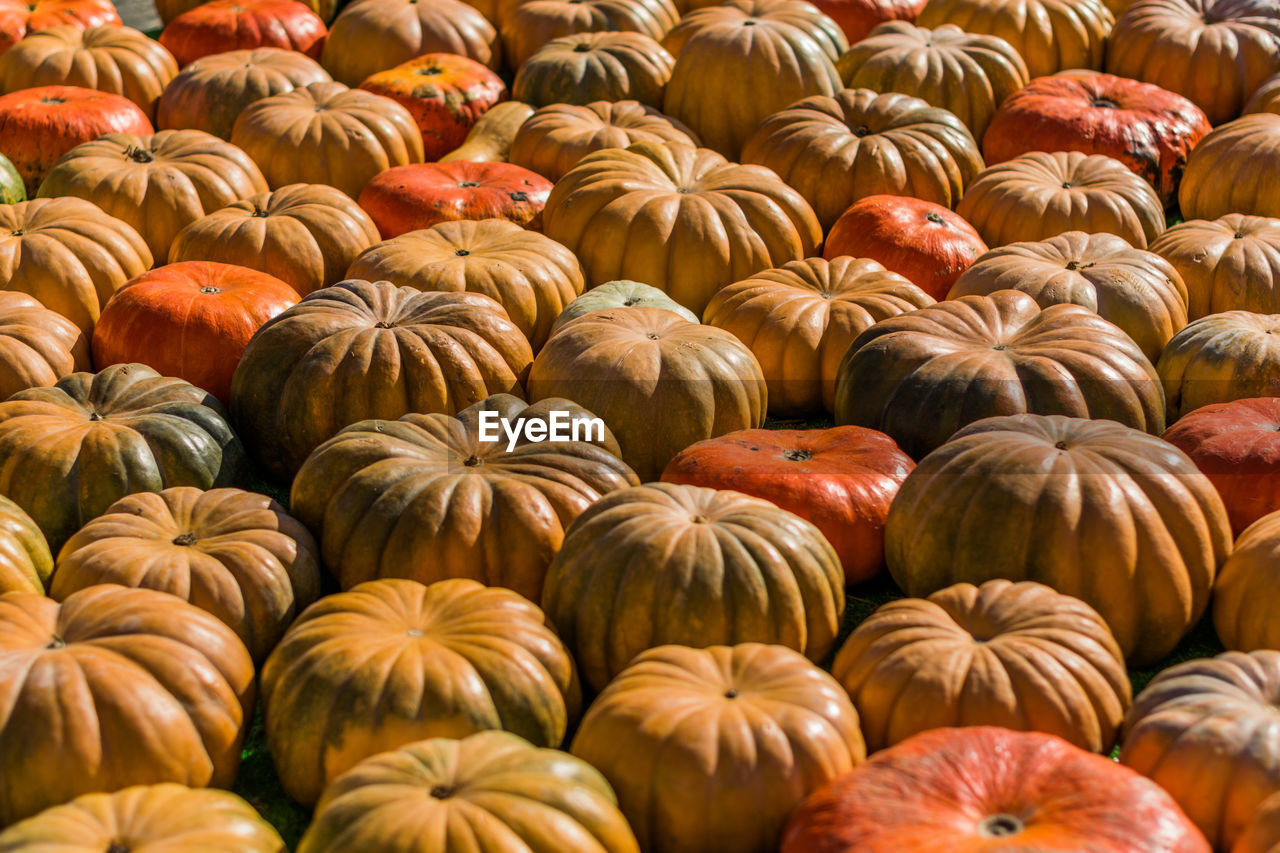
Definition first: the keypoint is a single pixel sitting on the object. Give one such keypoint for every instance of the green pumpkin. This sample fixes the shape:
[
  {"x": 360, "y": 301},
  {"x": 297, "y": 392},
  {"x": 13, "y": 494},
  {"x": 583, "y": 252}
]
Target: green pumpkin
[{"x": 12, "y": 189}]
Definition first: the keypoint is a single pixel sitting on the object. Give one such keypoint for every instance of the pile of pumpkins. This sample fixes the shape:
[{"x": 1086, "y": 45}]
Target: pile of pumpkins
[{"x": 501, "y": 293}]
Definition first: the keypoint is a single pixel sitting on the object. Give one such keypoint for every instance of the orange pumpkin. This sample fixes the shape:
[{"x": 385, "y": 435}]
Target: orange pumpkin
[
  {"x": 1228, "y": 171},
  {"x": 1244, "y": 598},
  {"x": 19, "y": 17},
  {"x": 1267, "y": 97},
  {"x": 218, "y": 26},
  {"x": 1262, "y": 833},
  {"x": 1219, "y": 358},
  {"x": 37, "y": 346},
  {"x": 1227, "y": 264},
  {"x": 531, "y": 24},
  {"x": 858, "y": 18},
  {"x": 597, "y": 66},
  {"x": 25, "y": 561}
]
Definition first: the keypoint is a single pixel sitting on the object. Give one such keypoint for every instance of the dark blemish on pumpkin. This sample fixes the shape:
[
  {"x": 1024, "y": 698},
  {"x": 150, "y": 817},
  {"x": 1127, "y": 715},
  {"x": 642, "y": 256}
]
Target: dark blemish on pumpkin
[
  {"x": 208, "y": 289},
  {"x": 934, "y": 218},
  {"x": 1061, "y": 445},
  {"x": 798, "y": 455},
  {"x": 520, "y": 196}
]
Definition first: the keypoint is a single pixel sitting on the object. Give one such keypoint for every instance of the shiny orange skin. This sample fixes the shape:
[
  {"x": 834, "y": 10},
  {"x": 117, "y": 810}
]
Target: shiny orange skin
[
  {"x": 19, "y": 17},
  {"x": 222, "y": 25},
  {"x": 859, "y": 17},
  {"x": 409, "y": 198},
  {"x": 191, "y": 320}
]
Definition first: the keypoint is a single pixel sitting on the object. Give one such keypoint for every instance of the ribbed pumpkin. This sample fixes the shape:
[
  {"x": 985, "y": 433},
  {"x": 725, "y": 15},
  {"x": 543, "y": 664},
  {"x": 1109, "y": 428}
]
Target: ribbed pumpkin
[
  {"x": 1244, "y": 595},
  {"x": 218, "y": 26},
  {"x": 444, "y": 660},
  {"x": 531, "y": 24},
  {"x": 1016, "y": 655},
  {"x": 1017, "y": 497},
  {"x": 493, "y": 787},
  {"x": 235, "y": 554},
  {"x": 1216, "y": 715},
  {"x": 967, "y": 74},
  {"x": 836, "y": 150},
  {"x": 596, "y": 66},
  {"x": 555, "y": 138},
  {"x": 25, "y": 561},
  {"x": 678, "y": 218},
  {"x": 1219, "y": 358},
  {"x": 1267, "y": 97},
  {"x": 1228, "y": 172},
  {"x": 841, "y": 479},
  {"x": 805, "y": 17},
  {"x": 121, "y": 666},
  {"x": 1136, "y": 290},
  {"x": 1262, "y": 833},
  {"x": 306, "y": 235},
  {"x": 858, "y": 18},
  {"x": 799, "y": 320},
  {"x": 114, "y": 59},
  {"x": 979, "y": 789},
  {"x": 532, "y": 276},
  {"x": 619, "y": 295},
  {"x": 745, "y": 731},
  {"x": 659, "y": 382},
  {"x": 477, "y": 509},
  {"x": 665, "y": 563},
  {"x": 37, "y": 346},
  {"x": 1227, "y": 264},
  {"x": 20, "y": 17},
  {"x": 157, "y": 184},
  {"x": 326, "y": 133},
  {"x": 490, "y": 138},
  {"x": 1038, "y": 195}
]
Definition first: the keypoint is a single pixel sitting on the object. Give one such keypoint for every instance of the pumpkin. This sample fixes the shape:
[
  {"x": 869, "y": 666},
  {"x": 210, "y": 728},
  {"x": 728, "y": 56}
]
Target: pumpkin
[
  {"x": 967, "y": 74},
  {"x": 12, "y": 189},
  {"x": 1262, "y": 833},
  {"x": 1016, "y": 655},
  {"x": 445, "y": 660},
  {"x": 1219, "y": 358},
  {"x": 146, "y": 817},
  {"x": 799, "y": 319},
  {"x": 157, "y": 184},
  {"x": 235, "y": 554},
  {"x": 114, "y": 59},
  {"x": 68, "y": 255},
  {"x": 170, "y": 9},
  {"x": 1267, "y": 97},
  {"x": 25, "y": 561},
  {"x": 1226, "y": 173},
  {"x": 985, "y": 788},
  {"x": 1017, "y": 497},
  {"x": 1215, "y": 53},
  {"x": 924, "y": 242},
  {"x": 858, "y": 18},
  {"x": 210, "y": 93},
  {"x": 444, "y": 93},
  {"x": 1037, "y": 195},
  {"x": 479, "y": 504},
  {"x": 617, "y": 295},
  {"x": 532, "y": 277},
  {"x": 149, "y": 431},
  {"x": 373, "y": 35},
  {"x": 1243, "y": 594},
  {"x": 740, "y": 62},
  {"x": 20, "y": 17},
  {"x": 1136, "y": 290},
  {"x": 409, "y": 198},
  {"x": 979, "y": 356},
  {"x": 777, "y": 726},
  {"x": 305, "y": 235},
  {"x": 1215, "y": 715},
  {"x": 531, "y": 24},
  {"x": 219, "y": 26},
  {"x": 122, "y": 666},
  {"x": 37, "y": 346},
  {"x": 556, "y": 137},
  {"x": 1050, "y": 35},
  {"x": 1148, "y": 129},
  {"x": 841, "y": 479},
  {"x": 493, "y": 787},
  {"x": 836, "y": 150},
  {"x": 1227, "y": 264},
  {"x": 678, "y": 218},
  {"x": 659, "y": 382},
  {"x": 37, "y": 126},
  {"x": 596, "y": 66},
  {"x": 325, "y": 133},
  {"x": 491, "y": 136}
]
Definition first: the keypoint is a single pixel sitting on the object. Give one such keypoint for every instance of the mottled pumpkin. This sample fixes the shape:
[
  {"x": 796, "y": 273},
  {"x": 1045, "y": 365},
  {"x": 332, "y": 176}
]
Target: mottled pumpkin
[
  {"x": 25, "y": 561},
  {"x": 596, "y": 66},
  {"x": 218, "y": 26},
  {"x": 37, "y": 346},
  {"x": 618, "y": 295},
  {"x": 1228, "y": 172},
  {"x": 532, "y": 24},
  {"x": 1222, "y": 357},
  {"x": 1227, "y": 264}
]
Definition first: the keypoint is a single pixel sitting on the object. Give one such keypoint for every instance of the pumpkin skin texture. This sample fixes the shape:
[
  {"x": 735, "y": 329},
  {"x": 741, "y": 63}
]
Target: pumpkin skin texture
[
  {"x": 532, "y": 24},
  {"x": 12, "y": 189},
  {"x": 692, "y": 382},
  {"x": 1266, "y": 99},
  {"x": 219, "y": 26},
  {"x": 20, "y": 17},
  {"x": 967, "y": 74},
  {"x": 1138, "y": 291},
  {"x": 924, "y": 242},
  {"x": 361, "y": 350},
  {"x": 305, "y": 235},
  {"x": 445, "y": 660},
  {"x": 1227, "y": 264},
  {"x": 1036, "y": 196},
  {"x": 681, "y": 219},
  {"x": 158, "y": 184},
  {"x": 499, "y": 521},
  {"x": 665, "y": 563},
  {"x": 531, "y": 276},
  {"x": 858, "y": 18},
  {"x": 942, "y": 790},
  {"x": 771, "y": 720},
  {"x": 836, "y": 150},
  {"x": 235, "y": 554},
  {"x": 1016, "y": 655},
  {"x": 841, "y": 479},
  {"x": 445, "y": 93},
  {"x": 504, "y": 794},
  {"x": 799, "y": 320},
  {"x": 1244, "y": 594},
  {"x": 703, "y": 15},
  {"x": 37, "y": 346},
  {"x": 325, "y": 133},
  {"x": 122, "y": 665},
  {"x": 1223, "y": 357},
  {"x": 1262, "y": 833},
  {"x": 1227, "y": 172},
  {"x": 1216, "y": 715},
  {"x": 25, "y": 561},
  {"x": 1055, "y": 482},
  {"x": 600, "y": 66},
  {"x": 490, "y": 138},
  {"x": 619, "y": 295}
]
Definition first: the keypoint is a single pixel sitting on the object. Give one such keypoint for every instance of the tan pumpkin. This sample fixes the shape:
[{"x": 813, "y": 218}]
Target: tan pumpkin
[
  {"x": 37, "y": 346},
  {"x": 595, "y": 66},
  {"x": 806, "y": 17},
  {"x": 678, "y": 218},
  {"x": 1229, "y": 170},
  {"x": 531, "y": 24},
  {"x": 556, "y": 137},
  {"x": 1221, "y": 357},
  {"x": 25, "y": 561},
  {"x": 1227, "y": 264},
  {"x": 967, "y": 74},
  {"x": 490, "y": 138},
  {"x": 1038, "y": 195},
  {"x": 1244, "y": 599},
  {"x": 799, "y": 320},
  {"x": 620, "y": 295}
]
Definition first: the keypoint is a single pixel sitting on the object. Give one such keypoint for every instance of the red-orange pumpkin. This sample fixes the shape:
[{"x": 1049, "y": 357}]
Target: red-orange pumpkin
[
  {"x": 857, "y": 18},
  {"x": 218, "y": 26},
  {"x": 19, "y": 17}
]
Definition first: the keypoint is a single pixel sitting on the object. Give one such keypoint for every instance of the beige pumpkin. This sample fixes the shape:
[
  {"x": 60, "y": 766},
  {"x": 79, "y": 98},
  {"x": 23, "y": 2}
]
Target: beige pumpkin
[
  {"x": 596, "y": 66},
  {"x": 1227, "y": 264},
  {"x": 1221, "y": 357},
  {"x": 1231, "y": 170},
  {"x": 533, "y": 24}
]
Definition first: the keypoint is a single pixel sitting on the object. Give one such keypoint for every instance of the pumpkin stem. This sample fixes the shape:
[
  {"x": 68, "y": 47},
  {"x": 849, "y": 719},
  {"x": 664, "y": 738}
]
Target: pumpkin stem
[
  {"x": 185, "y": 539},
  {"x": 468, "y": 183},
  {"x": 471, "y": 461},
  {"x": 94, "y": 416},
  {"x": 210, "y": 289},
  {"x": 731, "y": 694},
  {"x": 1000, "y": 826},
  {"x": 933, "y": 217},
  {"x": 118, "y": 847},
  {"x": 56, "y": 642},
  {"x": 443, "y": 792},
  {"x": 581, "y": 48},
  {"x": 1061, "y": 445},
  {"x": 798, "y": 455},
  {"x": 138, "y": 155},
  {"x": 462, "y": 253},
  {"x": 1105, "y": 103}
]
